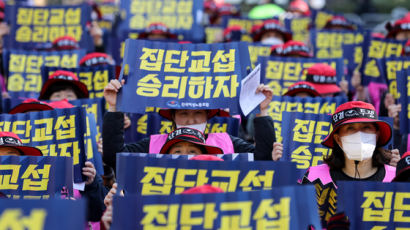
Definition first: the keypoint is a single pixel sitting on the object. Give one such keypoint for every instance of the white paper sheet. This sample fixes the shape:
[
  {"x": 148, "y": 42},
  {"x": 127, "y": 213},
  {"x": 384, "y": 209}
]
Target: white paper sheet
[{"x": 248, "y": 99}]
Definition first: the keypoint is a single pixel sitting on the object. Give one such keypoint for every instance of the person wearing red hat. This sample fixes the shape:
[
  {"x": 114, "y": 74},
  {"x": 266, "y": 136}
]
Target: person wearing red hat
[
  {"x": 400, "y": 29},
  {"x": 339, "y": 23},
  {"x": 187, "y": 141},
  {"x": 11, "y": 145},
  {"x": 299, "y": 8},
  {"x": 233, "y": 33},
  {"x": 276, "y": 50},
  {"x": 113, "y": 138},
  {"x": 95, "y": 59},
  {"x": 356, "y": 141},
  {"x": 272, "y": 32},
  {"x": 157, "y": 31},
  {"x": 403, "y": 169},
  {"x": 323, "y": 77},
  {"x": 65, "y": 43},
  {"x": 302, "y": 89},
  {"x": 63, "y": 85},
  {"x": 295, "y": 49}
]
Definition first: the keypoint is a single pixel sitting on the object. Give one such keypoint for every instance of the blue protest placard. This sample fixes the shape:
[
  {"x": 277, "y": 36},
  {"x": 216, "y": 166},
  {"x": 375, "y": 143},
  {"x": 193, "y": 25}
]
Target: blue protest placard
[
  {"x": 148, "y": 176},
  {"x": 309, "y": 105},
  {"x": 36, "y": 177},
  {"x": 42, "y": 214},
  {"x": 377, "y": 48},
  {"x": 288, "y": 207},
  {"x": 257, "y": 50},
  {"x": 159, "y": 125},
  {"x": 225, "y": 157},
  {"x": 91, "y": 138},
  {"x": 299, "y": 26},
  {"x": 37, "y": 27},
  {"x": 403, "y": 77},
  {"x": 171, "y": 75},
  {"x": 24, "y": 69},
  {"x": 375, "y": 205},
  {"x": 55, "y": 132},
  {"x": 280, "y": 73},
  {"x": 94, "y": 77},
  {"x": 181, "y": 16}
]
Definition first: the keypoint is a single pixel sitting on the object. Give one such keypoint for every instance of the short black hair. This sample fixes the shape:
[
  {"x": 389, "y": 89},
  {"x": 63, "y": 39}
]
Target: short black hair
[{"x": 59, "y": 86}]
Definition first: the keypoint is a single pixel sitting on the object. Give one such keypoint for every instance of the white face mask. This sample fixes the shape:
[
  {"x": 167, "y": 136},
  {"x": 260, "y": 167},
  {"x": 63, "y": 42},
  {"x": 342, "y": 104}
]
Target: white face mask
[
  {"x": 201, "y": 127},
  {"x": 359, "y": 146},
  {"x": 272, "y": 41}
]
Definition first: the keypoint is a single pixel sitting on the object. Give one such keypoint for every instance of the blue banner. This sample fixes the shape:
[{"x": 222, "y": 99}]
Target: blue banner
[
  {"x": 36, "y": 177},
  {"x": 403, "y": 77},
  {"x": 55, "y": 132},
  {"x": 91, "y": 139},
  {"x": 42, "y": 214},
  {"x": 257, "y": 50},
  {"x": 389, "y": 69},
  {"x": 171, "y": 75},
  {"x": 309, "y": 105},
  {"x": 37, "y": 27},
  {"x": 181, "y": 16},
  {"x": 149, "y": 176},
  {"x": 290, "y": 207},
  {"x": 377, "y": 48},
  {"x": 225, "y": 157},
  {"x": 280, "y": 73},
  {"x": 375, "y": 205},
  {"x": 144, "y": 125},
  {"x": 24, "y": 69},
  {"x": 94, "y": 77},
  {"x": 299, "y": 26}
]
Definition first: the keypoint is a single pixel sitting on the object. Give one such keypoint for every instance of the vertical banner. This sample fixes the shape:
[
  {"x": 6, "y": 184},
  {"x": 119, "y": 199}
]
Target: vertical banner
[
  {"x": 287, "y": 207},
  {"x": 33, "y": 177},
  {"x": 37, "y": 27},
  {"x": 375, "y": 205},
  {"x": 171, "y": 75},
  {"x": 150, "y": 176},
  {"x": 42, "y": 214},
  {"x": 24, "y": 69},
  {"x": 181, "y": 16}
]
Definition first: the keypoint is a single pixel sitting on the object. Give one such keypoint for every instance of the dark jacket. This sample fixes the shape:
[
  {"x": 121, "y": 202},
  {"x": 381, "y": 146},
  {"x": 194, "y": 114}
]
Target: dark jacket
[
  {"x": 95, "y": 194},
  {"x": 113, "y": 139}
]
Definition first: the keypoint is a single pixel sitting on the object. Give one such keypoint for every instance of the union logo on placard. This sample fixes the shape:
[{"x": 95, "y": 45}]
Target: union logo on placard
[{"x": 173, "y": 104}]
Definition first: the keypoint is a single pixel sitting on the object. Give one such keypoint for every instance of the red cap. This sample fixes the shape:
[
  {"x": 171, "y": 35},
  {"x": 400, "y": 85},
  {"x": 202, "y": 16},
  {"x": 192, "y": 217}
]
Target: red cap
[
  {"x": 295, "y": 48},
  {"x": 65, "y": 43},
  {"x": 255, "y": 30},
  {"x": 302, "y": 86},
  {"x": 94, "y": 59},
  {"x": 227, "y": 9},
  {"x": 273, "y": 25},
  {"x": 403, "y": 24},
  {"x": 339, "y": 21},
  {"x": 63, "y": 104},
  {"x": 30, "y": 105},
  {"x": 323, "y": 77},
  {"x": 233, "y": 33},
  {"x": 276, "y": 50},
  {"x": 206, "y": 157},
  {"x": 355, "y": 112},
  {"x": 203, "y": 189},
  {"x": 188, "y": 135},
  {"x": 157, "y": 28},
  {"x": 10, "y": 139},
  {"x": 299, "y": 6},
  {"x": 63, "y": 76},
  {"x": 402, "y": 168}
]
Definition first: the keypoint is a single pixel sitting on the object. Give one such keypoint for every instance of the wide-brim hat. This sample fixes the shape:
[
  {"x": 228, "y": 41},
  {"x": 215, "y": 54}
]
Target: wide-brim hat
[
  {"x": 167, "y": 113},
  {"x": 63, "y": 76},
  {"x": 402, "y": 24},
  {"x": 323, "y": 77},
  {"x": 30, "y": 105},
  {"x": 189, "y": 135},
  {"x": 339, "y": 21},
  {"x": 157, "y": 28},
  {"x": 295, "y": 48},
  {"x": 65, "y": 43},
  {"x": 273, "y": 25},
  {"x": 94, "y": 59},
  {"x": 356, "y": 112},
  {"x": 403, "y": 168},
  {"x": 9, "y": 139},
  {"x": 302, "y": 87}
]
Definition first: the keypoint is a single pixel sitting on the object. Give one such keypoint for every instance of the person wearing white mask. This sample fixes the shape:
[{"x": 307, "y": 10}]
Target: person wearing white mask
[
  {"x": 356, "y": 142},
  {"x": 272, "y": 32},
  {"x": 113, "y": 132}
]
